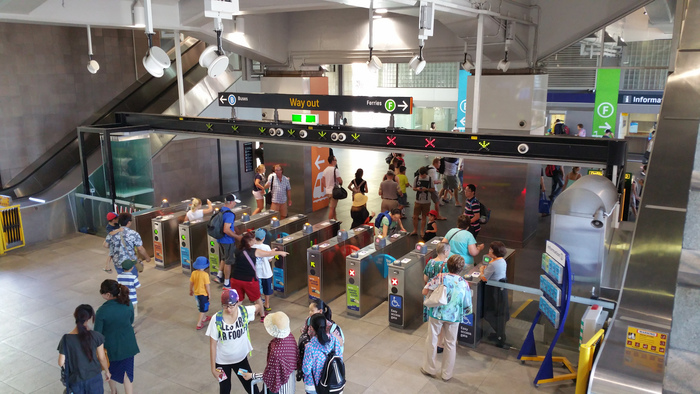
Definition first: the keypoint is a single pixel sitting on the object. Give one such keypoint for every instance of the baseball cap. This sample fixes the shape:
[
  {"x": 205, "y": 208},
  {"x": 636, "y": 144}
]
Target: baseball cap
[
  {"x": 232, "y": 197},
  {"x": 229, "y": 296},
  {"x": 127, "y": 265},
  {"x": 260, "y": 234},
  {"x": 111, "y": 216},
  {"x": 433, "y": 212}
]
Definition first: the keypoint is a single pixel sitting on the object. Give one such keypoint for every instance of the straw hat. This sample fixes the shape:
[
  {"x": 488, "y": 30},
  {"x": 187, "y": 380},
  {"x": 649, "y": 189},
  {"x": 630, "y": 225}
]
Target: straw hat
[
  {"x": 277, "y": 324},
  {"x": 359, "y": 200}
]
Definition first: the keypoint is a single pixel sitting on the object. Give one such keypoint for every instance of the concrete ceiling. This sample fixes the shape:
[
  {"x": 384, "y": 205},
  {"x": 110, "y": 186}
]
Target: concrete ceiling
[{"x": 278, "y": 31}]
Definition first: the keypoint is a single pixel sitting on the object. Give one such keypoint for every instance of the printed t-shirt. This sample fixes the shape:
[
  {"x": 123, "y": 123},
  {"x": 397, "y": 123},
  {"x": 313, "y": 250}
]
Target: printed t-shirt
[{"x": 233, "y": 345}]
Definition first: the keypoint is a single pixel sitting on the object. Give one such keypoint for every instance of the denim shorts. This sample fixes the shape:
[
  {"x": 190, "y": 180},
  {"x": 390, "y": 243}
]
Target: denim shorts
[
  {"x": 266, "y": 286},
  {"x": 90, "y": 386},
  {"x": 202, "y": 303}
]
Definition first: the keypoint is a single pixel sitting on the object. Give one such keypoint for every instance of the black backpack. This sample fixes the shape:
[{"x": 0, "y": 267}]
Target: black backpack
[
  {"x": 484, "y": 214},
  {"x": 215, "y": 227},
  {"x": 332, "y": 379}
]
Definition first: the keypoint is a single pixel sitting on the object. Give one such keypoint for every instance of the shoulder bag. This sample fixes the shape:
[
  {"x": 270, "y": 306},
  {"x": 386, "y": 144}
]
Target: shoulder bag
[
  {"x": 268, "y": 195},
  {"x": 251, "y": 263},
  {"x": 339, "y": 193},
  {"x": 439, "y": 296}
]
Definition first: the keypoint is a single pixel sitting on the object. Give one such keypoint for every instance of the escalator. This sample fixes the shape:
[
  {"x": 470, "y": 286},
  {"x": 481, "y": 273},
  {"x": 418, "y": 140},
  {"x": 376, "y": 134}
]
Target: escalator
[{"x": 147, "y": 94}]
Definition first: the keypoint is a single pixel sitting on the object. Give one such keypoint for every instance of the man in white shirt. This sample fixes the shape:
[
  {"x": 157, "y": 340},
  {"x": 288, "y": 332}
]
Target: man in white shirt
[
  {"x": 330, "y": 178},
  {"x": 435, "y": 177}
]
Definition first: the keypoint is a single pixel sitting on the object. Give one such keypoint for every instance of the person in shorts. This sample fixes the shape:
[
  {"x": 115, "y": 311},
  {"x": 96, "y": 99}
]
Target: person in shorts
[
  {"x": 227, "y": 244},
  {"x": 262, "y": 268},
  {"x": 199, "y": 288},
  {"x": 423, "y": 186}
]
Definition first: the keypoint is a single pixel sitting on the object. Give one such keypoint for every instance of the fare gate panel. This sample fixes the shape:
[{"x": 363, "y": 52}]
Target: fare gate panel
[
  {"x": 288, "y": 271},
  {"x": 142, "y": 222},
  {"x": 367, "y": 271},
  {"x": 406, "y": 284},
  {"x": 285, "y": 227},
  {"x": 166, "y": 249},
  {"x": 326, "y": 262},
  {"x": 242, "y": 224},
  {"x": 193, "y": 239}
]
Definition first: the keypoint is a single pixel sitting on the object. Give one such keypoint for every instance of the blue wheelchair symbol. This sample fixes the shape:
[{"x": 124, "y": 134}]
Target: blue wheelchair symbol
[
  {"x": 395, "y": 301},
  {"x": 468, "y": 319},
  {"x": 232, "y": 99}
]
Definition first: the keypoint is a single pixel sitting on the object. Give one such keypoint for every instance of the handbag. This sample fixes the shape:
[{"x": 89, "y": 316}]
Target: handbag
[
  {"x": 268, "y": 195},
  {"x": 439, "y": 296},
  {"x": 545, "y": 204},
  {"x": 339, "y": 193},
  {"x": 139, "y": 265}
]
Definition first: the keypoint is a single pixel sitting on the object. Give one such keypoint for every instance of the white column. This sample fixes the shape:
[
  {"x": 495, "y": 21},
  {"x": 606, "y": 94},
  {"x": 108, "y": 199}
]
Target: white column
[{"x": 477, "y": 72}]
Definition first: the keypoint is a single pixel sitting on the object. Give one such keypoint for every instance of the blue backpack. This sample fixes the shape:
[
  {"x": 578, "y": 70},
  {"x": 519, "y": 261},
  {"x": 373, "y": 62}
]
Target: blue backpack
[{"x": 378, "y": 219}]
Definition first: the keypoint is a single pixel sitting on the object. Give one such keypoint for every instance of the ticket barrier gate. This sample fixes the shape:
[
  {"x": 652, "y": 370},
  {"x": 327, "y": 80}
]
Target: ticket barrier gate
[
  {"x": 326, "y": 262},
  {"x": 406, "y": 284},
  {"x": 367, "y": 271},
  {"x": 166, "y": 251},
  {"x": 283, "y": 227},
  {"x": 194, "y": 237},
  {"x": 142, "y": 222},
  {"x": 469, "y": 332},
  {"x": 288, "y": 274},
  {"x": 243, "y": 223}
]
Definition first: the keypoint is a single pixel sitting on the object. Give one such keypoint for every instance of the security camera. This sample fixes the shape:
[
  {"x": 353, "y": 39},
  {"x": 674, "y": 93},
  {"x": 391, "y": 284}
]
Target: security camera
[
  {"x": 280, "y": 132},
  {"x": 272, "y": 131},
  {"x": 341, "y": 137},
  {"x": 302, "y": 133},
  {"x": 334, "y": 137},
  {"x": 522, "y": 123},
  {"x": 523, "y": 148}
]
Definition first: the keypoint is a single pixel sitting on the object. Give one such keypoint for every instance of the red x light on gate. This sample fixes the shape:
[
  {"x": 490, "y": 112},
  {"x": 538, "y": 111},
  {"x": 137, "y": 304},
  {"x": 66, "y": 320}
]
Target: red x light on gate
[
  {"x": 394, "y": 281},
  {"x": 351, "y": 272},
  {"x": 391, "y": 140},
  {"x": 429, "y": 143}
]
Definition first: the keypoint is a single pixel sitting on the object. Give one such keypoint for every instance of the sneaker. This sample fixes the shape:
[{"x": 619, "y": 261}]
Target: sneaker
[
  {"x": 227, "y": 284},
  {"x": 268, "y": 309},
  {"x": 424, "y": 372}
]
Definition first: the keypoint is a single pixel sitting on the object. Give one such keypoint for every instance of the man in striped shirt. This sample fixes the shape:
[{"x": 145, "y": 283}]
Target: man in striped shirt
[
  {"x": 128, "y": 279},
  {"x": 472, "y": 208}
]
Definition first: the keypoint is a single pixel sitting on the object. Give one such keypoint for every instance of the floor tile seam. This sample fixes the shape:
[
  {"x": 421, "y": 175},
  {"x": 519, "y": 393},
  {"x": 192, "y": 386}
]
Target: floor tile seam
[
  {"x": 366, "y": 343},
  {"x": 25, "y": 370},
  {"x": 24, "y": 332}
]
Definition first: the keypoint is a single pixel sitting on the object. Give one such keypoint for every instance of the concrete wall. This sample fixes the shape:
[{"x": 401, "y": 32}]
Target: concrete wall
[{"x": 46, "y": 90}]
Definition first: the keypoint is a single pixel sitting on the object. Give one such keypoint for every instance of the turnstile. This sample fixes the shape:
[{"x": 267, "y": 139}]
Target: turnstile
[
  {"x": 405, "y": 283},
  {"x": 326, "y": 262},
  {"x": 367, "y": 271},
  {"x": 427, "y": 250},
  {"x": 194, "y": 238},
  {"x": 166, "y": 249},
  {"x": 243, "y": 223},
  {"x": 288, "y": 271},
  {"x": 142, "y": 222},
  {"x": 285, "y": 227}
]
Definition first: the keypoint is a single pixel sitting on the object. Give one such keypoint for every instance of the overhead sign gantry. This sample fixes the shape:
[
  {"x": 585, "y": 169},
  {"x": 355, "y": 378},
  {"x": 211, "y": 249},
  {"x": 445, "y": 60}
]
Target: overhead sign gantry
[{"x": 387, "y": 105}]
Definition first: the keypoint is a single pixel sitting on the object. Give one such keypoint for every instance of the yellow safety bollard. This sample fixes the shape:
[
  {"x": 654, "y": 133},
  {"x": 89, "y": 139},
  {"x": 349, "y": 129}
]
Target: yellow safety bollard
[
  {"x": 11, "y": 230},
  {"x": 585, "y": 361}
]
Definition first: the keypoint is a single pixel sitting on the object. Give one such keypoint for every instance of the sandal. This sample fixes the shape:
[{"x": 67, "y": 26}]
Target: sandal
[
  {"x": 107, "y": 269},
  {"x": 200, "y": 326}
]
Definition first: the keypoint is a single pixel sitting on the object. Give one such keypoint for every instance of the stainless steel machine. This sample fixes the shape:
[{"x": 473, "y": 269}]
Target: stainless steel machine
[
  {"x": 288, "y": 271},
  {"x": 367, "y": 271},
  {"x": 405, "y": 282},
  {"x": 166, "y": 251},
  {"x": 283, "y": 227},
  {"x": 469, "y": 332},
  {"x": 243, "y": 219},
  {"x": 142, "y": 221},
  {"x": 194, "y": 238},
  {"x": 326, "y": 262}
]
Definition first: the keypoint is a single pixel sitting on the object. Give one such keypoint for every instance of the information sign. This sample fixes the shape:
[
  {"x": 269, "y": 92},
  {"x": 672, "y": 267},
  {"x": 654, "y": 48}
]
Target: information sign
[
  {"x": 318, "y": 164},
  {"x": 314, "y": 286},
  {"x": 462, "y": 100},
  {"x": 248, "y": 156},
  {"x": 389, "y": 105},
  {"x": 353, "y": 297},
  {"x": 395, "y": 309},
  {"x": 607, "y": 87}
]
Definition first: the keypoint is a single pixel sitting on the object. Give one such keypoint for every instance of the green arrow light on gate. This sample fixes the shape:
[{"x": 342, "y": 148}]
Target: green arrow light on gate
[
  {"x": 183, "y": 237},
  {"x": 211, "y": 243},
  {"x": 155, "y": 232}
]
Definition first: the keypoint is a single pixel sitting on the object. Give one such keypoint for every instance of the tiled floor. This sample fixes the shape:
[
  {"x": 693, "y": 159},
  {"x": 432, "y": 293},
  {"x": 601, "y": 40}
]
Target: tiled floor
[{"x": 41, "y": 285}]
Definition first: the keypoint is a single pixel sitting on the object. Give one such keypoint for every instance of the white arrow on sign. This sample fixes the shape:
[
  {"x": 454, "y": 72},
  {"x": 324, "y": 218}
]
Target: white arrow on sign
[
  {"x": 319, "y": 162},
  {"x": 404, "y": 106},
  {"x": 605, "y": 126},
  {"x": 222, "y": 99},
  {"x": 462, "y": 121}
]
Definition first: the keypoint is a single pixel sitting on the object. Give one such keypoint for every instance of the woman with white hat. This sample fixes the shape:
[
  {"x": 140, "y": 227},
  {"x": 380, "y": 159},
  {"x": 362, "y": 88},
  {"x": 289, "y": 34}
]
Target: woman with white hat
[
  {"x": 281, "y": 356},
  {"x": 359, "y": 213}
]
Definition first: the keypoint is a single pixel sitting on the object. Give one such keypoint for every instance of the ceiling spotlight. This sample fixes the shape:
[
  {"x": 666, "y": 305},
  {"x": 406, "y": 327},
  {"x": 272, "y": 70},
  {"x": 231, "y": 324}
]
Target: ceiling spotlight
[
  {"x": 373, "y": 64},
  {"x": 504, "y": 63},
  {"x": 466, "y": 64},
  {"x": 417, "y": 63},
  {"x": 156, "y": 60},
  {"x": 92, "y": 66}
]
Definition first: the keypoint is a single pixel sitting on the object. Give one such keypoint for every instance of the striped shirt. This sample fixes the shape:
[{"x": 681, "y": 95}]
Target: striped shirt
[
  {"x": 471, "y": 208},
  {"x": 132, "y": 282}
]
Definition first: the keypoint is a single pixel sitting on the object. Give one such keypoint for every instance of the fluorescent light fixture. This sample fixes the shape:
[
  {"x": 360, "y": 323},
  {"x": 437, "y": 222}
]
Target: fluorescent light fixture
[
  {"x": 381, "y": 11},
  {"x": 40, "y": 201},
  {"x": 376, "y": 16}
]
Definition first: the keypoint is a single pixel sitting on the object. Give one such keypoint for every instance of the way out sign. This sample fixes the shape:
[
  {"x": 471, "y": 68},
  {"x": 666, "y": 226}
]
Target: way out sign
[{"x": 607, "y": 88}]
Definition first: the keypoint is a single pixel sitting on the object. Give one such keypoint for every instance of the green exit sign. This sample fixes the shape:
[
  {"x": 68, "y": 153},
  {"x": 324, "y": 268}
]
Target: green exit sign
[{"x": 305, "y": 118}]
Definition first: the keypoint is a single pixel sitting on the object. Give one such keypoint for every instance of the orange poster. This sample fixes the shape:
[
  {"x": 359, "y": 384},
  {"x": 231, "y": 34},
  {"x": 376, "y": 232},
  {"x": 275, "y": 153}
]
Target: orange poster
[{"x": 319, "y": 162}]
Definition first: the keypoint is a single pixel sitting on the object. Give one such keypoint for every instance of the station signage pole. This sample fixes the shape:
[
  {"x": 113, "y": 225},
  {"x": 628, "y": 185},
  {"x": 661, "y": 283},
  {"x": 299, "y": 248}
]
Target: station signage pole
[{"x": 607, "y": 89}]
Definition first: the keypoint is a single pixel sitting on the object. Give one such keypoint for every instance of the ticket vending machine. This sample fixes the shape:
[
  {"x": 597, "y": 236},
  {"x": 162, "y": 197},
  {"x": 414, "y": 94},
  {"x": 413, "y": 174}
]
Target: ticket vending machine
[
  {"x": 285, "y": 227},
  {"x": 242, "y": 224},
  {"x": 194, "y": 238},
  {"x": 288, "y": 274},
  {"x": 326, "y": 262},
  {"x": 166, "y": 249},
  {"x": 366, "y": 272},
  {"x": 406, "y": 283}
]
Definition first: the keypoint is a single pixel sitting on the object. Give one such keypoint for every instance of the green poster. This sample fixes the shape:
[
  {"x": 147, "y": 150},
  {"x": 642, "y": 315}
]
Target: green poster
[
  {"x": 607, "y": 87},
  {"x": 353, "y": 297}
]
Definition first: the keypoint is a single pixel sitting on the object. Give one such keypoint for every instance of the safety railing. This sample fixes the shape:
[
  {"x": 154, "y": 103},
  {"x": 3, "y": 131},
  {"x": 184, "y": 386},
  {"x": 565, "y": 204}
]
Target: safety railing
[{"x": 11, "y": 230}]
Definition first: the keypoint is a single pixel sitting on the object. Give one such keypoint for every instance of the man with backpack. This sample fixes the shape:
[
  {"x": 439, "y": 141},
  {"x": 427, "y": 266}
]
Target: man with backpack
[
  {"x": 559, "y": 128},
  {"x": 557, "y": 175},
  {"x": 227, "y": 244},
  {"x": 472, "y": 208}
]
